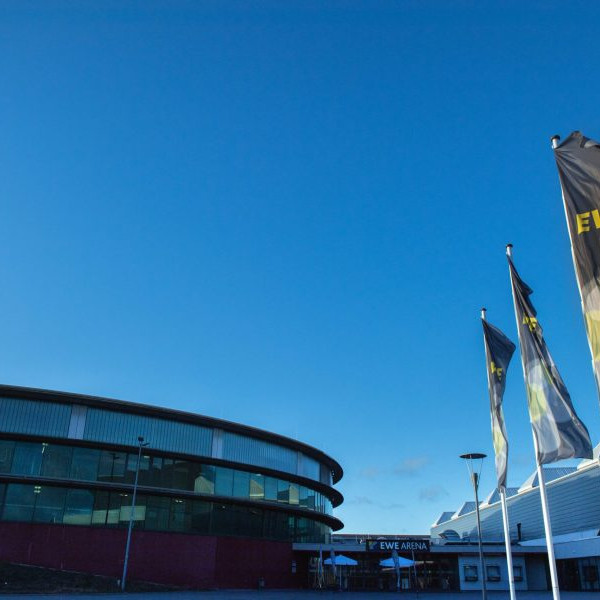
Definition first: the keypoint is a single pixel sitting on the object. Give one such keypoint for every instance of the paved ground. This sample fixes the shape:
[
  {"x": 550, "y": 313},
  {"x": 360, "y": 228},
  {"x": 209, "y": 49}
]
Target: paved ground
[{"x": 302, "y": 595}]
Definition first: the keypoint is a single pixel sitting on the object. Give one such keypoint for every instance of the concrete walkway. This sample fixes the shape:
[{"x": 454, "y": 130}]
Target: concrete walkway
[{"x": 305, "y": 595}]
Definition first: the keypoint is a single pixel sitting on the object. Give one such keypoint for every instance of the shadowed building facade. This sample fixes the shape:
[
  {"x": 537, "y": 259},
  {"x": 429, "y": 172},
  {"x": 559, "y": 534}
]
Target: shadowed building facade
[{"x": 211, "y": 493}]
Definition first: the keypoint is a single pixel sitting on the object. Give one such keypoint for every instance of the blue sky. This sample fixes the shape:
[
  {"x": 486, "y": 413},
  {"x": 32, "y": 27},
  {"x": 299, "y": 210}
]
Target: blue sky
[{"x": 289, "y": 214}]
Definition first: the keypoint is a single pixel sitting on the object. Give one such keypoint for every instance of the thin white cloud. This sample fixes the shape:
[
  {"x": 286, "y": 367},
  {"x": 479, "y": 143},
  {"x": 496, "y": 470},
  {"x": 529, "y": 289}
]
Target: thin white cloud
[
  {"x": 370, "y": 472},
  {"x": 366, "y": 501},
  {"x": 432, "y": 493},
  {"x": 410, "y": 466}
]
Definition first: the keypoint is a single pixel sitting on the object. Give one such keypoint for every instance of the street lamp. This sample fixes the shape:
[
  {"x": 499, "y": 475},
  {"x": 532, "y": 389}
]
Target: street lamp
[
  {"x": 474, "y": 473},
  {"x": 135, "y": 484}
]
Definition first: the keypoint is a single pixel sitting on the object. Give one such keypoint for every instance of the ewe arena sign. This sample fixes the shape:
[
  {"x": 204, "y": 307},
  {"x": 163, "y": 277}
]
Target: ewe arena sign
[{"x": 406, "y": 545}]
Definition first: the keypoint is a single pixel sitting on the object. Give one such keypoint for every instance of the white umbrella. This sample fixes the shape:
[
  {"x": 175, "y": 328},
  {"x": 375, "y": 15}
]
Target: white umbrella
[
  {"x": 340, "y": 559},
  {"x": 402, "y": 562}
]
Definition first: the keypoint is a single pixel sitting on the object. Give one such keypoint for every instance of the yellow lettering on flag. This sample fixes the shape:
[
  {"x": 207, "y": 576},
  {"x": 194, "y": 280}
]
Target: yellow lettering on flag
[
  {"x": 531, "y": 322},
  {"x": 496, "y": 370},
  {"x": 583, "y": 222},
  {"x": 592, "y": 320}
]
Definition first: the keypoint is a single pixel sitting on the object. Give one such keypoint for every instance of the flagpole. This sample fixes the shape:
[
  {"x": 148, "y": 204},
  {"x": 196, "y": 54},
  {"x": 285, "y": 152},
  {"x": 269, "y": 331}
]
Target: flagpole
[
  {"x": 502, "y": 490},
  {"x": 540, "y": 470}
]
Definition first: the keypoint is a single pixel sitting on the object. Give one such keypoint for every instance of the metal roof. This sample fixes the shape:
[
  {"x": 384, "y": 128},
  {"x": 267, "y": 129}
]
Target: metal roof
[
  {"x": 467, "y": 507},
  {"x": 550, "y": 474},
  {"x": 494, "y": 495},
  {"x": 445, "y": 516}
]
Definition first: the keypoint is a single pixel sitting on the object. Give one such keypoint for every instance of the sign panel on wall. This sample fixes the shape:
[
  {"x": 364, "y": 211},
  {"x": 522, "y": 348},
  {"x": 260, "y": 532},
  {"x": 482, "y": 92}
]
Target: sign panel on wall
[{"x": 405, "y": 545}]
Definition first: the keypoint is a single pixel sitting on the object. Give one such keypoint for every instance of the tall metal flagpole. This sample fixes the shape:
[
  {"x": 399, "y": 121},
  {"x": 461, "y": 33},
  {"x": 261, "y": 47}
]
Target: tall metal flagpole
[
  {"x": 540, "y": 470},
  {"x": 502, "y": 490}
]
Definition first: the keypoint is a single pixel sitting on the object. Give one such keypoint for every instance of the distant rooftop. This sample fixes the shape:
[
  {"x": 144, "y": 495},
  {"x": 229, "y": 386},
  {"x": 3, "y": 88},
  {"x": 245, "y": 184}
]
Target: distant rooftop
[
  {"x": 550, "y": 474},
  {"x": 467, "y": 507},
  {"x": 445, "y": 516},
  {"x": 495, "y": 495}
]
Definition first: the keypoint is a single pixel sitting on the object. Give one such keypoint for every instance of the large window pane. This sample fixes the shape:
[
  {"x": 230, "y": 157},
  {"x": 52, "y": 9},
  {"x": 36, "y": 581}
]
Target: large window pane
[
  {"x": 167, "y": 473},
  {"x": 252, "y": 521},
  {"x": 303, "y": 530},
  {"x": 283, "y": 491},
  {"x": 114, "y": 508},
  {"x": 294, "y": 494},
  {"x": 238, "y": 521},
  {"x": 303, "y": 496},
  {"x": 6, "y": 454},
  {"x": 130, "y": 468},
  {"x": 27, "y": 459},
  {"x": 201, "y": 512},
  {"x": 223, "y": 482},
  {"x": 157, "y": 513},
  {"x": 328, "y": 507},
  {"x": 278, "y": 526},
  {"x": 154, "y": 475},
  {"x": 257, "y": 486},
  {"x": 56, "y": 460},
  {"x": 100, "y": 508},
  {"x": 49, "y": 505},
  {"x": 19, "y": 502},
  {"x": 270, "y": 488},
  {"x": 85, "y": 464},
  {"x": 205, "y": 482},
  {"x": 145, "y": 475},
  {"x": 112, "y": 466},
  {"x": 79, "y": 507},
  {"x": 181, "y": 517},
  {"x": 223, "y": 520},
  {"x": 182, "y": 478},
  {"x": 139, "y": 512},
  {"x": 241, "y": 484}
]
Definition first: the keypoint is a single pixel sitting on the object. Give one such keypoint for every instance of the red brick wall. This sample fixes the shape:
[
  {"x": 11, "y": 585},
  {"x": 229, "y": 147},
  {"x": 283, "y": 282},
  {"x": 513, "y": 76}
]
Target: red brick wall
[{"x": 172, "y": 558}]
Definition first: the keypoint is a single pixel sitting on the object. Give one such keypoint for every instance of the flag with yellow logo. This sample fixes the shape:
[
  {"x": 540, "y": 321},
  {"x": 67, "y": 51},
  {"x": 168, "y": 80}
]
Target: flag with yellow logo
[
  {"x": 498, "y": 352},
  {"x": 557, "y": 429},
  {"x": 578, "y": 161}
]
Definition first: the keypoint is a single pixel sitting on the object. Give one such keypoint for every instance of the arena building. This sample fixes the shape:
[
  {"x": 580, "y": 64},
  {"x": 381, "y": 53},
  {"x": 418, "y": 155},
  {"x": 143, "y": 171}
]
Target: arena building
[
  {"x": 218, "y": 504},
  {"x": 574, "y": 506}
]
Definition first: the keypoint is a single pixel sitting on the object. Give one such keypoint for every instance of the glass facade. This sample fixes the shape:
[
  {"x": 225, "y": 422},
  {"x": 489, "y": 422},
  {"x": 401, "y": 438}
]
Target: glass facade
[
  {"x": 58, "y": 505},
  {"x": 96, "y": 424},
  {"x": 41, "y": 459}
]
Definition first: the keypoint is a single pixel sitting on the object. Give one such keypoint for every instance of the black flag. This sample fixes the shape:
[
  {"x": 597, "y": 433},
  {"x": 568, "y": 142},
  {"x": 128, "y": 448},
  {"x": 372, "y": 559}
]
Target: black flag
[
  {"x": 498, "y": 352},
  {"x": 557, "y": 429},
  {"x": 578, "y": 161}
]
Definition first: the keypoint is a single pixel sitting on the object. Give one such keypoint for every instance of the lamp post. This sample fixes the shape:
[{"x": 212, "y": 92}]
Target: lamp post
[
  {"x": 135, "y": 484},
  {"x": 474, "y": 474}
]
